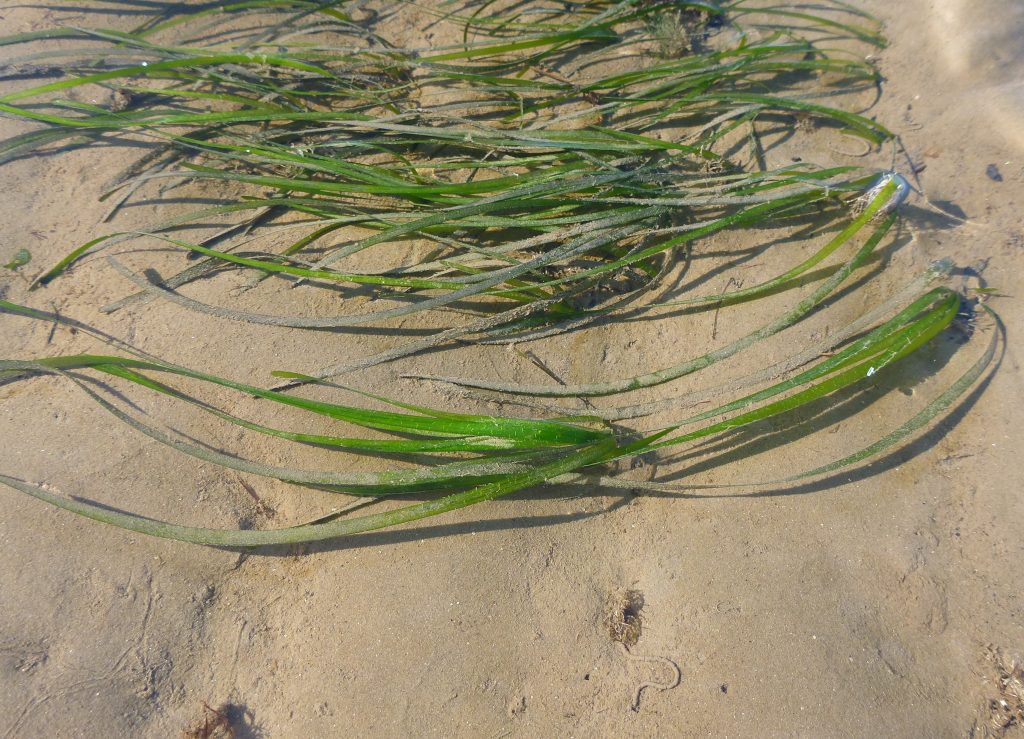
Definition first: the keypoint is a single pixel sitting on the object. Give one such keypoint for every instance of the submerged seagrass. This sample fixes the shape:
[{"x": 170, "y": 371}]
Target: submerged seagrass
[{"x": 557, "y": 166}]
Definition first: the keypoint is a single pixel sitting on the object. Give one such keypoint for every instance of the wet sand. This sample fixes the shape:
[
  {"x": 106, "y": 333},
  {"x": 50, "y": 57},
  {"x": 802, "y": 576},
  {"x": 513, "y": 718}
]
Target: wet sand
[{"x": 885, "y": 602}]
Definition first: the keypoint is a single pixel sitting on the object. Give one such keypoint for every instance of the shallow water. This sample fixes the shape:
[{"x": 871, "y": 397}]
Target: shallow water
[
  {"x": 862, "y": 609},
  {"x": 982, "y": 45}
]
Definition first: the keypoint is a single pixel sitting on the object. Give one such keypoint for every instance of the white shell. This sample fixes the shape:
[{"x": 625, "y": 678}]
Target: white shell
[{"x": 902, "y": 191}]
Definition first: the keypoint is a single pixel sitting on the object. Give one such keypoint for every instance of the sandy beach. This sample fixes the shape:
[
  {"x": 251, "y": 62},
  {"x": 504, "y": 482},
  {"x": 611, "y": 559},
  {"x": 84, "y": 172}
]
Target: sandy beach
[{"x": 883, "y": 601}]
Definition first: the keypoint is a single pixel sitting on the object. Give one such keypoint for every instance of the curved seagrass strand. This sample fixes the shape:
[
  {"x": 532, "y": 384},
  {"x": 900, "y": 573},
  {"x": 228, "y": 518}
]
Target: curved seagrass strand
[
  {"x": 841, "y": 371},
  {"x": 910, "y": 293},
  {"x": 933, "y": 409},
  {"x": 446, "y": 476},
  {"x": 861, "y": 360},
  {"x": 424, "y": 421},
  {"x": 877, "y": 316},
  {"x": 320, "y": 532},
  {"x": 913, "y": 326}
]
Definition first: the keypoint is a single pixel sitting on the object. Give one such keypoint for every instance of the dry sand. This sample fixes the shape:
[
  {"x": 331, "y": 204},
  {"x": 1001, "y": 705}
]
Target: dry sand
[{"x": 885, "y": 602}]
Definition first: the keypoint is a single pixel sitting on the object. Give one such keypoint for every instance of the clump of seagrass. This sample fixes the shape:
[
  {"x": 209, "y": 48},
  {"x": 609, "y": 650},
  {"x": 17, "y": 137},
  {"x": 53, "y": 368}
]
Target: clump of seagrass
[
  {"x": 493, "y": 455},
  {"x": 549, "y": 187},
  {"x": 534, "y": 188}
]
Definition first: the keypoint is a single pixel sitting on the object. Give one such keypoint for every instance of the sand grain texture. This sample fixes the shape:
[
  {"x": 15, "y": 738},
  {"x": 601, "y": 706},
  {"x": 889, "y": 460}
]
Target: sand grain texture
[{"x": 888, "y": 604}]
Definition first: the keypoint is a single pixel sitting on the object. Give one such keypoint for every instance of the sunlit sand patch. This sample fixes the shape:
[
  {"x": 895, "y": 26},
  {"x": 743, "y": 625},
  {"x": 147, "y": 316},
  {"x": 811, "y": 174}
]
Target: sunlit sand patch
[{"x": 990, "y": 57}]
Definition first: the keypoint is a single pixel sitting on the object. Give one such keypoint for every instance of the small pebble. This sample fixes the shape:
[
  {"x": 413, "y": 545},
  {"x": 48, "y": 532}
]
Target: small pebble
[{"x": 993, "y": 173}]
